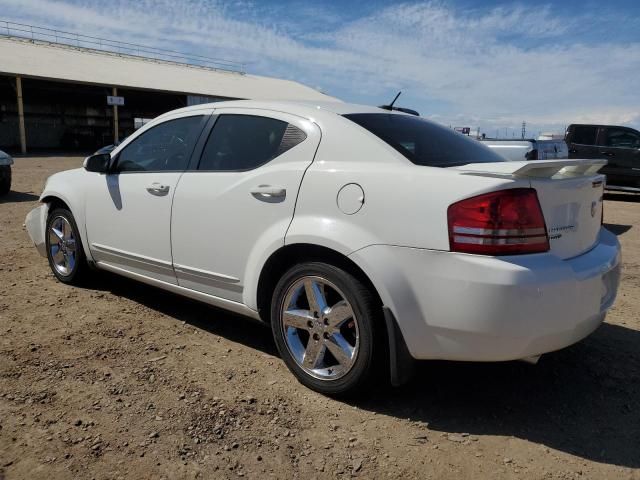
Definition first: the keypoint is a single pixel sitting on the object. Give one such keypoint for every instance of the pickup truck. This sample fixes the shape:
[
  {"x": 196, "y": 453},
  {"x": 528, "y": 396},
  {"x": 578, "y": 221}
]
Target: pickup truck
[
  {"x": 620, "y": 146},
  {"x": 5, "y": 172},
  {"x": 528, "y": 149}
]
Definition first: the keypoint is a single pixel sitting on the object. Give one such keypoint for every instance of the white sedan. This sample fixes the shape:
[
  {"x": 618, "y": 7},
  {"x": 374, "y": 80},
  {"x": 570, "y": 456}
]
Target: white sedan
[{"x": 367, "y": 238}]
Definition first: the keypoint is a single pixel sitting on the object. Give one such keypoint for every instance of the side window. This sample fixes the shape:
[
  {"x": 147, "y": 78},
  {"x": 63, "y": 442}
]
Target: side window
[
  {"x": 584, "y": 135},
  {"x": 244, "y": 142},
  {"x": 166, "y": 147},
  {"x": 622, "y": 138}
]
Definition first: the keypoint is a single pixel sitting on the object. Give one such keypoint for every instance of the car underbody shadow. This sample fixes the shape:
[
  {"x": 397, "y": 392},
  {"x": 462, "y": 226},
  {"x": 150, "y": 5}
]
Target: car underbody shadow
[
  {"x": 231, "y": 326},
  {"x": 583, "y": 400}
]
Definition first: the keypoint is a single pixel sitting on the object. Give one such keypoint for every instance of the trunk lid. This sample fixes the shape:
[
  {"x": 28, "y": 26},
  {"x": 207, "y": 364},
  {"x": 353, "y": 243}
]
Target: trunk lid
[{"x": 570, "y": 194}]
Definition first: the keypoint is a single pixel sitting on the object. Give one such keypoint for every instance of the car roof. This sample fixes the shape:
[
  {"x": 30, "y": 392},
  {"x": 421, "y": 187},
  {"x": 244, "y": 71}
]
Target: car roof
[{"x": 305, "y": 109}]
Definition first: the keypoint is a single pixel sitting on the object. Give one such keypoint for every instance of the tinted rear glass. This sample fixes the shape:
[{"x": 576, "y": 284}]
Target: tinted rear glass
[{"x": 424, "y": 142}]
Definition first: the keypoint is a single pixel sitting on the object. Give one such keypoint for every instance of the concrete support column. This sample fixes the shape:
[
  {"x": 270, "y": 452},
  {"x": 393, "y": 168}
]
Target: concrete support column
[
  {"x": 23, "y": 131},
  {"x": 114, "y": 92}
]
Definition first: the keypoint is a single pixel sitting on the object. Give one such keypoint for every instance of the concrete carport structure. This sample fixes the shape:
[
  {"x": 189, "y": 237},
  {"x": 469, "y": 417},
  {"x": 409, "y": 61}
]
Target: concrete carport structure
[{"x": 53, "y": 92}]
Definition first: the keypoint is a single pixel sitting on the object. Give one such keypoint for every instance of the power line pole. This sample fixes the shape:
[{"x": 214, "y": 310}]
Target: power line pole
[{"x": 524, "y": 129}]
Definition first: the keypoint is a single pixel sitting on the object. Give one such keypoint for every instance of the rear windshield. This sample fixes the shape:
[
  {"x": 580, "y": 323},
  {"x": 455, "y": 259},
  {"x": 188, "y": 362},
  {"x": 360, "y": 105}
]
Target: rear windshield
[{"x": 424, "y": 142}]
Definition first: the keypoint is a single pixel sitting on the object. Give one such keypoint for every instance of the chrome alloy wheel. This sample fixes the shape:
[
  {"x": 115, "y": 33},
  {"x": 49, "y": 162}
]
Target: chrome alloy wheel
[
  {"x": 62, "y": 246},
  {"x": 320, "y": 328}
]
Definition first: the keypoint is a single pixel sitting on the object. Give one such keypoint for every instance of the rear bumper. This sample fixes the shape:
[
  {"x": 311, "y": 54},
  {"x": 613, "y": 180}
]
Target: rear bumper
[
  {"x": 467, "y": 307},
  {"x": 36, "y": 226}
]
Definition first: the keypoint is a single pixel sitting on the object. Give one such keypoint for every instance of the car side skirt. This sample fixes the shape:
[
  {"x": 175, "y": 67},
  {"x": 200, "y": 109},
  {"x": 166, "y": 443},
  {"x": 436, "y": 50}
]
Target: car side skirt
[{"x": 235, "y": 307}]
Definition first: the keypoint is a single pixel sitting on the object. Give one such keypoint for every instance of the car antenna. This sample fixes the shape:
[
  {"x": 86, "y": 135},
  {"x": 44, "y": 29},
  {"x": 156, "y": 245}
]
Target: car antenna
[
  {"x": 394, "y": 100},
  {"x": 390, "y": 106}
]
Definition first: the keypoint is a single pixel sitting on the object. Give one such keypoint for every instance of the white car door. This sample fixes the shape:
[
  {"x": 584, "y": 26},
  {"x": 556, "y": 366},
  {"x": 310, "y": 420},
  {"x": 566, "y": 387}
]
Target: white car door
[
  {"x": 128, "y": 211},
  {"x": 242, "y": 189}
]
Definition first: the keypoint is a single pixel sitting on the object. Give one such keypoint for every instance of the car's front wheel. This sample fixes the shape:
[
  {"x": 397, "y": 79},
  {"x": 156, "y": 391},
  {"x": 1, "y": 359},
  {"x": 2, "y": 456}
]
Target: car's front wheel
[
  {"x": 326, "y": 325},
  {"x": 64, "y": 247}
]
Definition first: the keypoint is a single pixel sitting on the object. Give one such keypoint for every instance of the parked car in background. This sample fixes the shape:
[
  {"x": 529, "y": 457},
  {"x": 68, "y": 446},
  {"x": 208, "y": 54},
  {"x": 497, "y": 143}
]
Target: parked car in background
[
  {"x": 5, "y": 172},
  {"x": 365, "y": 237},
  {"x": 620, "y": 146},
  {"x": 530, "y": 149}
]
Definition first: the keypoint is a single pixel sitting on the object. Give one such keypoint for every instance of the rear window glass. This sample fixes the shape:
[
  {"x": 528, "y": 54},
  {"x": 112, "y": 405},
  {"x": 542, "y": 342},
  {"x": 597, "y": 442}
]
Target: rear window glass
[
  {"x": 424, "y": 142},
  {"x": 584, "y": 135}
]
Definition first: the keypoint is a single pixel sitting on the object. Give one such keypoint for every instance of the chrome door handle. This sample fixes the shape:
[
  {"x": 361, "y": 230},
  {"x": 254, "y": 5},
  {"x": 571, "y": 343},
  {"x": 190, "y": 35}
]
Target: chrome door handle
[
  {"x": 158, "y": 189},
  {"x": 269, "y": 193}
]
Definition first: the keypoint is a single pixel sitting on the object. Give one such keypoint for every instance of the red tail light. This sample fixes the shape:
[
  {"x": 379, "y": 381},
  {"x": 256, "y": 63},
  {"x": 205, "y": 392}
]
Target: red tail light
[{"x": 507, "y": 222}]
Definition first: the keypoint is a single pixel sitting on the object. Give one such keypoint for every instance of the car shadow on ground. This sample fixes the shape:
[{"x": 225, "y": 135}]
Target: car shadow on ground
[
  {"x": 236, "y": 328},
  {"x": 18, "y": 197},
  {"x": 583, "y": 400},
  {"x": 617, "y": 229}
]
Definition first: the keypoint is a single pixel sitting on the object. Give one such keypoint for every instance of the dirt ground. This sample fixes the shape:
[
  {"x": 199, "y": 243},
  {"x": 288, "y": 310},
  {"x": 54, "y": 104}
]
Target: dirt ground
[{"x": 121, "y": 380}]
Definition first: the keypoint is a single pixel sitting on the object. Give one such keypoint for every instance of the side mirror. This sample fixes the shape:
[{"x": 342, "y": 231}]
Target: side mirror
[{"x": 98, "y": 163}]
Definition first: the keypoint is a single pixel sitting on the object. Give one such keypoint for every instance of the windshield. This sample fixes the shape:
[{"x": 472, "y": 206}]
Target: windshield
[{"x": 424, "y": 142}]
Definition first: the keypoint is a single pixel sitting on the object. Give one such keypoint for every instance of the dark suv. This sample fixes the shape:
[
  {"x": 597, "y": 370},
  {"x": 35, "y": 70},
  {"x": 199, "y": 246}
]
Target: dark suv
[{"x": 619, "y": 145}]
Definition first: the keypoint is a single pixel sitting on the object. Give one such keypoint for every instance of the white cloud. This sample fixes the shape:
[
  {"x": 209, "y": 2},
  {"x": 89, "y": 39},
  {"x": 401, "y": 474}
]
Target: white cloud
[{"x": 492, "y": 68}]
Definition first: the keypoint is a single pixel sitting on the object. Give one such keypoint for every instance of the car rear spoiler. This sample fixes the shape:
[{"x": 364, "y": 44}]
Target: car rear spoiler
[{"x": 536, "y": 168}]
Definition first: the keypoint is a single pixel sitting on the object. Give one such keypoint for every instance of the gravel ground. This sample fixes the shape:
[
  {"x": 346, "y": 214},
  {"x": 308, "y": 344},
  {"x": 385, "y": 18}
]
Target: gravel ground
[{"x": 121, "y": 380}]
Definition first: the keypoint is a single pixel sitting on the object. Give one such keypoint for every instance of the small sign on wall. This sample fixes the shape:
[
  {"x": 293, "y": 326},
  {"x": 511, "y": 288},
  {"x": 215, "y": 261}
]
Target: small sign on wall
[{"x": 111, "y": 100}]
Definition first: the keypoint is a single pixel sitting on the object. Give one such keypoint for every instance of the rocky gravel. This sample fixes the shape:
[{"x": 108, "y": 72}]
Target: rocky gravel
[{"x": 120, "y": 380}]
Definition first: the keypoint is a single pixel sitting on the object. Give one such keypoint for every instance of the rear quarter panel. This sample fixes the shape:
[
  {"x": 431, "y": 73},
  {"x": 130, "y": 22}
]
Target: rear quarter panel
[{"x": 404, "y": 204}]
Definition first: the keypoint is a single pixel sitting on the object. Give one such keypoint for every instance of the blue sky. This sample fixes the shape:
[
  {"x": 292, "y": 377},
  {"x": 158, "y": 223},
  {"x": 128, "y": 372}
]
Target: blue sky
[{"x": 488, "y": 64}]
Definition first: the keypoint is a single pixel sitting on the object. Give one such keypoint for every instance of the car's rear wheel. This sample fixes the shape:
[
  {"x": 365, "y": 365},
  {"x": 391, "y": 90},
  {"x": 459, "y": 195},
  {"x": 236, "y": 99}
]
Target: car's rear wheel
[
  {"x": 5, "y": 179},
  {"x": 326, "y": 324},
  {"x": 64, "y": 247}
]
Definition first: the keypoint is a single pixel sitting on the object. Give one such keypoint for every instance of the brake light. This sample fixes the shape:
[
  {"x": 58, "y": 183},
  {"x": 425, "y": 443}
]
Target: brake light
[{"x": 506, "y": 222}]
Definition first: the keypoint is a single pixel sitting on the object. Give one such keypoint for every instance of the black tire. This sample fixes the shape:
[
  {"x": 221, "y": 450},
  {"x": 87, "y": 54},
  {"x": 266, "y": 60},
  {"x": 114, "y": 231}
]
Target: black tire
[
  {"x": 370, "y": 360},
  {"x": 79, "y": 272},
  {"x": 5, "y": 179}
]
